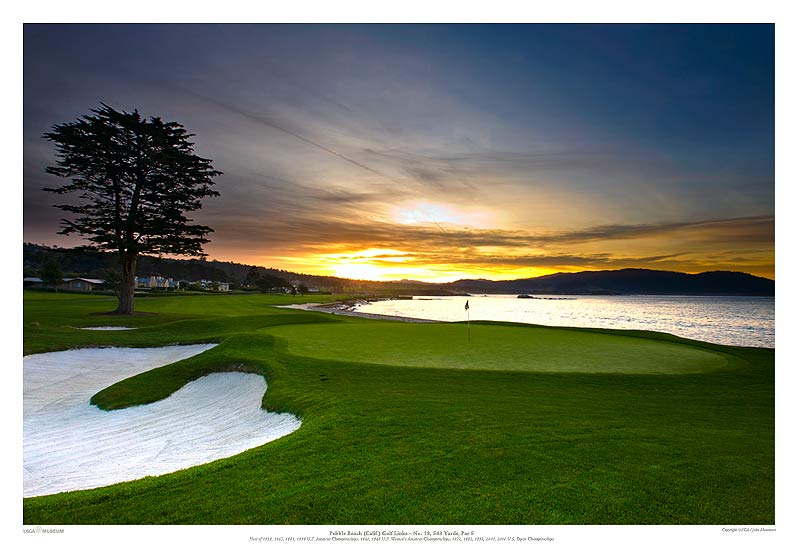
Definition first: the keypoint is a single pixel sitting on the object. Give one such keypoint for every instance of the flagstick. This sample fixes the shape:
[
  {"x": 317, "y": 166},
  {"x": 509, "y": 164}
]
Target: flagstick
[{"x": 468, "y": 336}]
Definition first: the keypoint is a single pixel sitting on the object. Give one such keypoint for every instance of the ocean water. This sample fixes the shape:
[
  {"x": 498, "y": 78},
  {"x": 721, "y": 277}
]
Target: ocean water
[{"x": 745, "y": 321}]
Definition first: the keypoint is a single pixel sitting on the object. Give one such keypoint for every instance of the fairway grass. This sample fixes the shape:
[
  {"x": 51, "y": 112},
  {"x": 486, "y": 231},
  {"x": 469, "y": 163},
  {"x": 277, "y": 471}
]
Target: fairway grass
[{"x": 410, "y": 424}]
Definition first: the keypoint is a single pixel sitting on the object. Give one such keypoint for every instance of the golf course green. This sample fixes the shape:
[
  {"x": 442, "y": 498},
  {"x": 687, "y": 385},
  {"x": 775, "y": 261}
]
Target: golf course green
[{"x": 406, "y": 423}]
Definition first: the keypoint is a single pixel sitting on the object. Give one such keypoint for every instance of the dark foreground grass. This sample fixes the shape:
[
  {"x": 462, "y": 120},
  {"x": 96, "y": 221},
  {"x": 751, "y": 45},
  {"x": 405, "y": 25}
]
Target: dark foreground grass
[{"x": 382, "y": 444}]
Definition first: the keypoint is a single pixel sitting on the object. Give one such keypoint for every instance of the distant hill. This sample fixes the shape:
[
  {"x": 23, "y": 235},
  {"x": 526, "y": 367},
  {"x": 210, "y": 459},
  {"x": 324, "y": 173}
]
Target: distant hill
[
  {"x": 83, "y": 261},
  {"x": 627, "y": 281}
]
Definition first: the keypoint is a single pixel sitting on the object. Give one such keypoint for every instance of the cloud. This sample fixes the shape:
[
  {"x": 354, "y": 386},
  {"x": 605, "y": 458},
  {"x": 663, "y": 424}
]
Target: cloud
[
  {"x": 311, "y": 230},
  {"x": 322, "y": 130},
  {"x": 683, "y": 245},
  {"x": 748, "y": 229},
  {"x": 272, "y": 122}
]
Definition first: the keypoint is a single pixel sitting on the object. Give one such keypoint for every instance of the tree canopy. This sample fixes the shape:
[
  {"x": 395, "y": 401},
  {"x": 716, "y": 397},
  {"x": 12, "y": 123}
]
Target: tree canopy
[
  {"x": 51, "y": 274},
  {"x": 135, "y": 178}
]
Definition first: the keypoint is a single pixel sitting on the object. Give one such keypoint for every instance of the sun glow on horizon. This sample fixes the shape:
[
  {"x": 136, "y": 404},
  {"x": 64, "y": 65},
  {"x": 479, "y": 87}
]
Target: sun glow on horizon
[
  {"x": 369, "y": 264},
  {"x": 384, "y": 264},
  {"x": 421, "y": 213}
]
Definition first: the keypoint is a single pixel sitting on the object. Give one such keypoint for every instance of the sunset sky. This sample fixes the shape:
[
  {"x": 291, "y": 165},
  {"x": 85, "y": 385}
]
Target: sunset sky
[{"x": 438, "y": 152}]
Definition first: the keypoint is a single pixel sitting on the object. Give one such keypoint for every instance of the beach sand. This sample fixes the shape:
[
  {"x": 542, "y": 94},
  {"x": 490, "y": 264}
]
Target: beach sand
[{"x": 350, "y": 309}]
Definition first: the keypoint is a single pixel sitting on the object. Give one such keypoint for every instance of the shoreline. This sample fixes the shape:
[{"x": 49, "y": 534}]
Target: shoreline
[{"x": 345, "y": 308}]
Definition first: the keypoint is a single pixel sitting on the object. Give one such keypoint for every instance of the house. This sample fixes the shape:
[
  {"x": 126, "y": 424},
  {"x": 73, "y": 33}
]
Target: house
[
  {"x": 70, "y": 283},
  {"x": 87, "y": 284},
  {"x": 32, "y": 282},
  {"x": 155, "y": 281},
  {"x": 215, "y": 285}
]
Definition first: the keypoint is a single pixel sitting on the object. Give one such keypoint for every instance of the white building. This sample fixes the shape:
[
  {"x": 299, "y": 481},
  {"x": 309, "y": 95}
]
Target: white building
[
  {"x": 155, "y": 282},
  {"x": 215, "y": 285}
]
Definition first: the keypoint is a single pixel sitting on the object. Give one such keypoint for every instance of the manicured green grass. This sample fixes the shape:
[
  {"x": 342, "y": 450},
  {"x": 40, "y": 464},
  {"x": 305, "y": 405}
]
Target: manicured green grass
[
  {"x": 493, "y": 347},
  {"x": 397, "y": 431}
]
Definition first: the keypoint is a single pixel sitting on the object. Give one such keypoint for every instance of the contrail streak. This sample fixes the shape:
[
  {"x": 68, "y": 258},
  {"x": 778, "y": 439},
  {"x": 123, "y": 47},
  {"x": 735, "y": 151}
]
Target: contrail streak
[{"x": 262, "y": 120}]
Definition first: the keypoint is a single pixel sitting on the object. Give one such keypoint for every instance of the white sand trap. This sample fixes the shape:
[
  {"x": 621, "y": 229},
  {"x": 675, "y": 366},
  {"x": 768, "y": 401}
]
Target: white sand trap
[
  {"x": 107, "y": 328},
  {"x": 69, "y": 444}
]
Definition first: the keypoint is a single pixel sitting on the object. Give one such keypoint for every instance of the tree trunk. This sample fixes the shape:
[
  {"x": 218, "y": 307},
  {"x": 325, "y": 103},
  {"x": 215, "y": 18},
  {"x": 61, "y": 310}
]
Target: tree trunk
[{"x": 127, "y": 284}]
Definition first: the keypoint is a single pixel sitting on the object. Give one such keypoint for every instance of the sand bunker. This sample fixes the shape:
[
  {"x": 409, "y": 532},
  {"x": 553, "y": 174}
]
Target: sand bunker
[
  {"x": 107, "y": 328},
  {"x": 71, "y": 445}
]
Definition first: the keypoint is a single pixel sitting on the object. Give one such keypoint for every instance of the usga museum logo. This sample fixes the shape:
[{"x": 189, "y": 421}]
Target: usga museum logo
[{"x": 40, "y": 530}]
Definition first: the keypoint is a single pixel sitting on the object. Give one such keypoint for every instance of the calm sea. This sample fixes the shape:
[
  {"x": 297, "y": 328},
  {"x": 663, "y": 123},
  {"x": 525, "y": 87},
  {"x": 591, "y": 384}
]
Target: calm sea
[{"x": 746, "y": 321}]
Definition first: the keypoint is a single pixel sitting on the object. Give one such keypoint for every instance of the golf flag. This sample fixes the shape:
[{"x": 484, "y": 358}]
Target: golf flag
[{"x": 466, "y": 308}]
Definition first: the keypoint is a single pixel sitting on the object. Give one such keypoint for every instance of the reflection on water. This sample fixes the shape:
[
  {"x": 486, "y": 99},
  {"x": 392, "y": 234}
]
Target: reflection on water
[{"x": 746, "y": 321}]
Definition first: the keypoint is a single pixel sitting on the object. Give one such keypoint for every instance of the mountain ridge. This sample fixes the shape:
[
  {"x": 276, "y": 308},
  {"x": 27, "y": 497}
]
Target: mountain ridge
[{"x": 628, "y": 281}]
